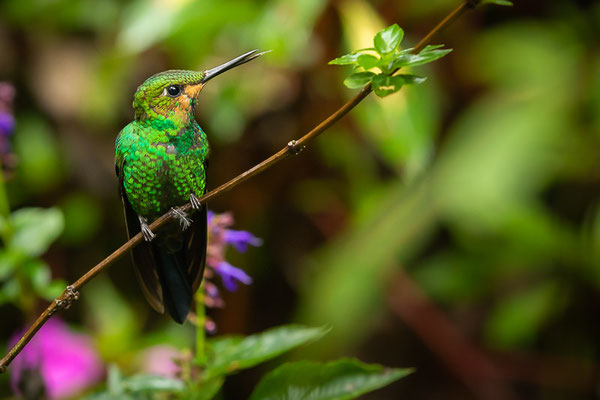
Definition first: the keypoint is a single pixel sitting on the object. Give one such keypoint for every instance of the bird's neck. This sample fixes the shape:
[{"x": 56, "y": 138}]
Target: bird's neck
[{"x": 174, "y": 123}]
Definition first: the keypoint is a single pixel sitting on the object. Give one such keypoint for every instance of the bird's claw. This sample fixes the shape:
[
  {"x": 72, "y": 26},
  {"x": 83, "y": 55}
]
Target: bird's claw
[
  {"x": 195, "y": 202},
  {"x": 146, "y": 231},
  {"x": 183, "y": 219}
]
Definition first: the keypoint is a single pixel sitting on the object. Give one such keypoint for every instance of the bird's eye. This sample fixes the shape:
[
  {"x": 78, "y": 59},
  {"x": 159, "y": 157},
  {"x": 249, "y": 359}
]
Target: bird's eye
[{"x": 173, "y": 90}]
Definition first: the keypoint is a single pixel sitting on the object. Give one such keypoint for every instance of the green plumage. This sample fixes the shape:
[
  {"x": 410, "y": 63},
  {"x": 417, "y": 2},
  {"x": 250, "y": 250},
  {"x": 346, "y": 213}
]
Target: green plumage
[
  {"x": 160, "y": 160},
  {"x": 161, "y": 155}
]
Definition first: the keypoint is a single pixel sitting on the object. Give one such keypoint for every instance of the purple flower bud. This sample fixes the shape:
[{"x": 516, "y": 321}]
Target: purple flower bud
[
  {"x": 241, "y": 239},
  {"x": 231, "y": 275},
  {"x": 57, "y": 362},
  {"x": 7, "y": 124}
]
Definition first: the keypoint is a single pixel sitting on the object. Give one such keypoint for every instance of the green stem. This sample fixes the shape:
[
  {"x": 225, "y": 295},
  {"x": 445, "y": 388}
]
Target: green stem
[{"x": 200, "y": 331}]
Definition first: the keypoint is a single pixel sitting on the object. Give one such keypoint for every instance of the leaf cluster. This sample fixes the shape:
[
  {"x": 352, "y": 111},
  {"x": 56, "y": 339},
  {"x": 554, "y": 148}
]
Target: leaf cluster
[
  {"x": 377, "y": 65},
  {"x": 26, "y": 235},
  {"x": 337, "y": 380}
]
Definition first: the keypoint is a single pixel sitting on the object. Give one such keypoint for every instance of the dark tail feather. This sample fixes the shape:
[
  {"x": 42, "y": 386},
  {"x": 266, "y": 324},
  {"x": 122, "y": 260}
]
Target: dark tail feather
[{"x": 176, "y": 286}]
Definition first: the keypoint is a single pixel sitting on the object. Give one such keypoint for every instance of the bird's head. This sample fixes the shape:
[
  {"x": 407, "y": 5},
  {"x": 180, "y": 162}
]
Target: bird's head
[{"x": 172, "y": 94}]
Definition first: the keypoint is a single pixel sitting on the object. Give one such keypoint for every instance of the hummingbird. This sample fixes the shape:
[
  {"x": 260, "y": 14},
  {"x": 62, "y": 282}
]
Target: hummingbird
[{"x": 161, "y": 161}]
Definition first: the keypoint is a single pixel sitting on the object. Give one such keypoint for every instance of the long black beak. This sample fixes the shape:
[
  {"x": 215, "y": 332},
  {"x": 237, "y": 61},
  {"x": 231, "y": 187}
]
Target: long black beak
[{"x": 243, "y": 59}]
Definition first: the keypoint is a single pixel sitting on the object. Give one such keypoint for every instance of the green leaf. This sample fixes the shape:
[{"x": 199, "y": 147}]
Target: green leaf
[
  {"x": 367, "y": 61},
  {"x": 346, "y": 59},
  {"x": 35, "y": 229},
  {"x": 427, "y": 55},
  {"x": 412, "y": 79},
  {"x": 384, "y": 85},
  {"x": 497, "y": 2},
  {"x": 388, "y": 40},
  {"x": 231, "y": 354},
  {"x": 358, "y": 79},
  {"x": 337, "y": 380}
]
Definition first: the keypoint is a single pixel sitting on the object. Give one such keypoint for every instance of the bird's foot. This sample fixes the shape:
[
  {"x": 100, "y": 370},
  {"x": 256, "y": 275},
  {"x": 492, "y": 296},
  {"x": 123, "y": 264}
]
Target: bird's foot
[
  {"x": 183, "y": 218},
  {"x": 146, "y": 231},
  {"x": 67, "y": 298},
  {"x": 195, "y": 202}
]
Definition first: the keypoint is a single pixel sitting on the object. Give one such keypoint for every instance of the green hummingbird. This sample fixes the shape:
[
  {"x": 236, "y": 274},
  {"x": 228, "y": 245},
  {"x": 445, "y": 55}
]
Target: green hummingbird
[{"x": 161, "y": 159}]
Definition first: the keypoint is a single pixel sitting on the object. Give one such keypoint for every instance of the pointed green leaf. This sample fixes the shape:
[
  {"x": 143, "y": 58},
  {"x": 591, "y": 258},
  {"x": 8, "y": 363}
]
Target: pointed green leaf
[
  {"x": 388, "y": 40},
  {"x": 346, "y": 59},
  {"x": 427, "y": 55},
  {"x": 367, "y": 61},
  {"x": 338, "y": 380},
  {"x": 231, "y": 354},
  {"x": 358, "y": 79},
  {"x": 412, "y": 79}
]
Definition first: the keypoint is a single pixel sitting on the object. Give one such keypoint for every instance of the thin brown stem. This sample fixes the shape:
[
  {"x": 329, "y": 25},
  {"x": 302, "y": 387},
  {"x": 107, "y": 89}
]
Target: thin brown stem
[{"x": 292, "y": 148}]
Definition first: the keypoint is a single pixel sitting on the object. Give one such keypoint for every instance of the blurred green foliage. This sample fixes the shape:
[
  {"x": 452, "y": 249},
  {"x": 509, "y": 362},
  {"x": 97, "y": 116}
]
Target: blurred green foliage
[{"x": 481, "y": 183}]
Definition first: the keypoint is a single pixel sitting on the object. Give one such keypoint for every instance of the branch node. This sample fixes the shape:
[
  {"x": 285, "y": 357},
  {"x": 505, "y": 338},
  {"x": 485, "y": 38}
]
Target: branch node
[
  {"x": 294, "y": 148},
  {"x": 66, "y": 299}
]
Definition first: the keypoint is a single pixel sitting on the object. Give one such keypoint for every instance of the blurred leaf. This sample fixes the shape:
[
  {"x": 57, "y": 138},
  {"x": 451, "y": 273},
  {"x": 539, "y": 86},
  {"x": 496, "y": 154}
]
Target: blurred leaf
[
  {"x": 387, "y": 40},
  {"x": 358, "y": 79},
  {"x": 53, "y": 289},
  {"x": 83, "y": 217},
  {"x": 517, "y": 320},
  {"x": 206, "y": 390},
  {"x": 151, "y": 383},
  {"x": 117, "y": 325},
  {"x": 146, "y": 23},
  {"x": 136, "y": 387},
  {"x": 40, "y": 160},
  {"x": 337, "y": 380},
  {"x": 343, "y": 285},
  {"x": 231, "y": 354},
  {"x": 38, "y": 273},
  {"x": 9, "y": 291},
  {"x": 35, "y": 229},
  {"x": 7, "y": 264}
]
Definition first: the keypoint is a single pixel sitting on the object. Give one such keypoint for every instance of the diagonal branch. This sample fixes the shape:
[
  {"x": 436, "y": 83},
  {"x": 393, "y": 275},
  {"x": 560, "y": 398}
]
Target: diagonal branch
[{"x": 294, "y": 147}]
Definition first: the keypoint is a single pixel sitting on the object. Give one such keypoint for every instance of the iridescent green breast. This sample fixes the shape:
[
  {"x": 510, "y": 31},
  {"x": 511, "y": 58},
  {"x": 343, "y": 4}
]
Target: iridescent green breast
[{"x": 161, "y": 168}]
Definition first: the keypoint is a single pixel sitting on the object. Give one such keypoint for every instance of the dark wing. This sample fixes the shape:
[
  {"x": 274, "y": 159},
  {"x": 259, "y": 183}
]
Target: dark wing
[
  {"x": 196, "y": 246},
  {"x": 143, "y": 258}
]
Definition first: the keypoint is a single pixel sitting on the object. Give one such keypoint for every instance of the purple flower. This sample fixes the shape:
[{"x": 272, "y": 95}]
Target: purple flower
[
  {"x": 7, "y": 124},
  {"x": 56, "y": 364},
  {"x": 232, "y": 275},
  {"x": 219, "y": 238},
  {"x": 241, "y": 239}
]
